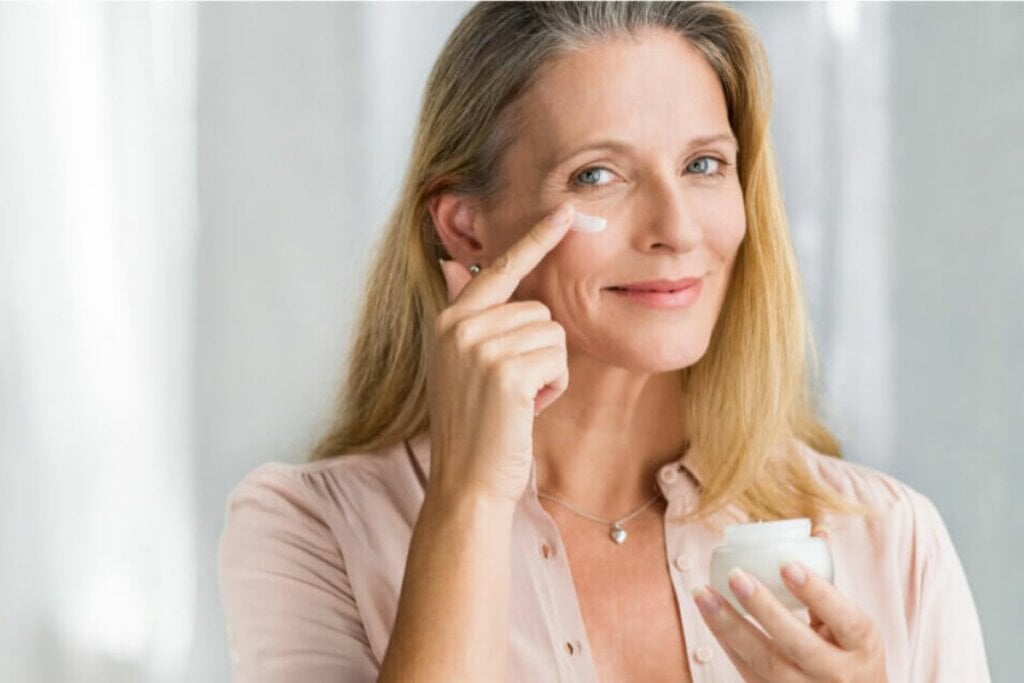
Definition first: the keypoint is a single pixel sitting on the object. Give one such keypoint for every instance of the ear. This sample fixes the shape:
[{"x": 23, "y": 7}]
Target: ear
[{"x": 457, "y": 222}]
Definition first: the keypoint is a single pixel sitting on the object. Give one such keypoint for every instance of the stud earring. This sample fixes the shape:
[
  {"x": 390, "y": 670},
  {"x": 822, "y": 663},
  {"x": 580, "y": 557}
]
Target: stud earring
[{"x": 474, "y": 268}]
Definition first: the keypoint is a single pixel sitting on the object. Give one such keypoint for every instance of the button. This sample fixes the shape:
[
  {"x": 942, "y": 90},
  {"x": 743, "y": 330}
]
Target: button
[
  {"x": 573, "y": 647},
  {"x": 704, "y": 654},
  {"x": 546, "y": 551},
  {"x": 669, "y": 473},
  {"x": 684, "y": 563}
]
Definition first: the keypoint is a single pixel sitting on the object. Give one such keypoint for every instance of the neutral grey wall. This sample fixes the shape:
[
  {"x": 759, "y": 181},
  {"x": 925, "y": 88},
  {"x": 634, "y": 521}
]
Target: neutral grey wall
[
  {"x": 271, "y": 157},
  {"x": 958, "y": 289},
  {"x": 946, "y": 153},
  {"x": 306, "y": 114}
]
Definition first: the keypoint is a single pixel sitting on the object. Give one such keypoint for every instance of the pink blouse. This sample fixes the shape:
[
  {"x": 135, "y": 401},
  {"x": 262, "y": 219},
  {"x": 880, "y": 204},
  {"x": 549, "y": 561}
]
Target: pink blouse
[{"x": 312, "y": 557}]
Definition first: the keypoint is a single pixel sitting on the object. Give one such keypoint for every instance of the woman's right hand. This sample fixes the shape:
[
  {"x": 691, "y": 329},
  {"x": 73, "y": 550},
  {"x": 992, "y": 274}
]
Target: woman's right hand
[{"x": 495, "y": 365}]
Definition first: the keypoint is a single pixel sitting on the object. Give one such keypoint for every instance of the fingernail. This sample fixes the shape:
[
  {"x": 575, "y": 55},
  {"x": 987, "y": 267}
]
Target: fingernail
[
  {"x": 741, "y": 584},
  {"x": 793, "y": 572},
  {"x": 586, "y": 223},
  {"x": 706, "y": 600},
  {"x": 563, "y": 214}
]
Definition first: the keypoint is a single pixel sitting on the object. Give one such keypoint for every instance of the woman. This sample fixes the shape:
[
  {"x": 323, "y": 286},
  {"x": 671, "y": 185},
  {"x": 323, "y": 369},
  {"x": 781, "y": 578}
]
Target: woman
[{"x": 482, "y": 508}]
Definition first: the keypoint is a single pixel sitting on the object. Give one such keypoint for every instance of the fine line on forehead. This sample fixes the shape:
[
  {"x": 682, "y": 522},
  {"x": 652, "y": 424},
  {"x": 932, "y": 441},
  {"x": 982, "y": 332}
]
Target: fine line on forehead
[{"x": 622, "y": 146}]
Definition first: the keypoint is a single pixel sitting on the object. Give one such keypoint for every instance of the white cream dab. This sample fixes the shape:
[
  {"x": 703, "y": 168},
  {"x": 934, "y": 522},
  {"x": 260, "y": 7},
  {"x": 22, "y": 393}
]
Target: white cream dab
[{"x": 587, "y": 223}]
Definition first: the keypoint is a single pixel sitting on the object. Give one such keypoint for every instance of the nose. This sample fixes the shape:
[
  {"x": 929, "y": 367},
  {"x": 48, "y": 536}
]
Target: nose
[{"x": 669, "y": 219}]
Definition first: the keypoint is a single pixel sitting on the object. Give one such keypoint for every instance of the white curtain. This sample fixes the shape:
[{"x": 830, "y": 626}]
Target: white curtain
[{"x": 98, "y": 216}]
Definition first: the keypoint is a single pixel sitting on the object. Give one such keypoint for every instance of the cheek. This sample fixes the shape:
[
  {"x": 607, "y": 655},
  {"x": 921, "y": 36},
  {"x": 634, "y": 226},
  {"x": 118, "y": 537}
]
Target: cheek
[
  {"x": 726, "y": 228},
  {"x": 566, "y": 279}
]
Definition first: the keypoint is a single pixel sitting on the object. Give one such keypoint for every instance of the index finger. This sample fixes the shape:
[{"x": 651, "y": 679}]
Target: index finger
[{"x": 496, "y": 283}]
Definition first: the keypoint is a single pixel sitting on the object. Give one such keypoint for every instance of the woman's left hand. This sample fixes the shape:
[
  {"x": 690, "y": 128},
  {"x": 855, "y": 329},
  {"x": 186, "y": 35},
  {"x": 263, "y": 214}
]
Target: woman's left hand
[{"x": 841, "y": 642}]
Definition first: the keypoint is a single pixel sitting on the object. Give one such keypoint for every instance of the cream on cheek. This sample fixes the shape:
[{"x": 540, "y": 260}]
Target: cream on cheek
[{"x": 584, "y": 222}]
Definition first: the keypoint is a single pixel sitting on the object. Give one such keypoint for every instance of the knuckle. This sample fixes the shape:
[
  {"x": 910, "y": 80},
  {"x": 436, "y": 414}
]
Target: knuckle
[
  {"x": 540, "y": 309},
  {"x": 463, "y": 332},
  {"x": 767, "y": 664},
  {"x": 488, "y": 352},
  {"x": 803, "y": 654},
  {"x": 503, "y": 264},
  {"x": 553, "y": 358},
  {"x": 507, "y": 375},
  {"x": 872, "y": 636},
  {"x": 861, "y": 628},
  {"x": 534, "y": 236}
]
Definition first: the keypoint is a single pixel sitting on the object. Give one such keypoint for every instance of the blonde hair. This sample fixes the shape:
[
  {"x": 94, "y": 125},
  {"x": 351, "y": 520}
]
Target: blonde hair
[{"x": 750, "y": 394}]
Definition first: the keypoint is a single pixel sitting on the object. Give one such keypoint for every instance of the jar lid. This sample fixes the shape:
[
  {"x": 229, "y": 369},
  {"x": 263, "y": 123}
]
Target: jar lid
[{"x": 759, "y": 533}]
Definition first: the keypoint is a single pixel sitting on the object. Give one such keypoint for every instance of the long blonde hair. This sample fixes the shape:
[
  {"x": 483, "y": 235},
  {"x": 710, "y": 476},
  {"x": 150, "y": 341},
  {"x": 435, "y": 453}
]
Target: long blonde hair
[{"x": 751, "y": 397}]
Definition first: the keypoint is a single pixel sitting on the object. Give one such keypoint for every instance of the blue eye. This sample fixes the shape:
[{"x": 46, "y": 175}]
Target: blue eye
[
  {"x": 719, "y": 162},
  {"x": 589, "y": 178},
  {"x": 593, "y": 173}
]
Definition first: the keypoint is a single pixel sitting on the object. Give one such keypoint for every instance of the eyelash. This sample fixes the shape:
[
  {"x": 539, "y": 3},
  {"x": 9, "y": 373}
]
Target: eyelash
[{"x": 586, "y": 187}]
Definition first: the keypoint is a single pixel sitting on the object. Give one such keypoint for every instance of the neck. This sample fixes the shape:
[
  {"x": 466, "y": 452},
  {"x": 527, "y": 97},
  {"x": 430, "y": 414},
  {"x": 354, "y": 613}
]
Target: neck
[{"x": 601, "y": 444}]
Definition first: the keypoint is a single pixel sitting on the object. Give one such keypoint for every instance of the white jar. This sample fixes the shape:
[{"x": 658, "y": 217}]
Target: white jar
[{"x": 761, "y": 548}]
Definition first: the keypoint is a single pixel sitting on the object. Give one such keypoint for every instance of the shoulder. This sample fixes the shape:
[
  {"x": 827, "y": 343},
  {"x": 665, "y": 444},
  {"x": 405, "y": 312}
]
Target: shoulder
[
  {"x": 863, "y": 484},
  {"x": 899, "y": 510},
  {"x": 337, "y": 494},
  {"x": 304, "y": 583},
  {"x": 348, "y": 470}
]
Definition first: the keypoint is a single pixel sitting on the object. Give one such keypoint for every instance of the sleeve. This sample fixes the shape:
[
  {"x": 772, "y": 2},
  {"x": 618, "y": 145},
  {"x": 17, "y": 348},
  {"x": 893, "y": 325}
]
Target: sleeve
[
  {"x": 946, "y": 639},
  {"x": 287, "y": 600}
]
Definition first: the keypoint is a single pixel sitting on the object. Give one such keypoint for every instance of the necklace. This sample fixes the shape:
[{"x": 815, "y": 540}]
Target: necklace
[{"x": 617, "y": 533}]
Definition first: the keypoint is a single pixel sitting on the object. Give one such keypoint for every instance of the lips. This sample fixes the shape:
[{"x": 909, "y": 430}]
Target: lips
[{"x": 658, "y": 285}]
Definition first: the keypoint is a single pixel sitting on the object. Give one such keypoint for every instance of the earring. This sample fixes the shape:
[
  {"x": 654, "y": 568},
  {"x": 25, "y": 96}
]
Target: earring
[{"x": 474, "y": 268}]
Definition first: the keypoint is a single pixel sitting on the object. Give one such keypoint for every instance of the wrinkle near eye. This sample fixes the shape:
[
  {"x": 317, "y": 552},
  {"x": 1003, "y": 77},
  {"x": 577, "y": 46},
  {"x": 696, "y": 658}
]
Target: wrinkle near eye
[{"x": 555, "y": 185}]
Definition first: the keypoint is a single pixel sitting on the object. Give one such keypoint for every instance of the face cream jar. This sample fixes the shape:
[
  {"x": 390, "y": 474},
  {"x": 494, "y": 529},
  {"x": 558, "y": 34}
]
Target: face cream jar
[{"x": 761, "y": 548}]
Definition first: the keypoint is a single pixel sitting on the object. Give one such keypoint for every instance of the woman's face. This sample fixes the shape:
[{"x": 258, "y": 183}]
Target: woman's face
[{"x": 674, "y": 204}]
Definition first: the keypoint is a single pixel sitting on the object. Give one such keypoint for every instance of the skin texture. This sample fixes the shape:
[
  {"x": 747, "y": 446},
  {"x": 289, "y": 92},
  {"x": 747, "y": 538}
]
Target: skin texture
[{"x": 537, "y": 330}]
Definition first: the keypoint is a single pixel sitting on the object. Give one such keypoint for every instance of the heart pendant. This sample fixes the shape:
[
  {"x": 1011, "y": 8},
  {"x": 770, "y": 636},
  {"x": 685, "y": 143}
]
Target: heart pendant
[{"x": 618, "y": 534}]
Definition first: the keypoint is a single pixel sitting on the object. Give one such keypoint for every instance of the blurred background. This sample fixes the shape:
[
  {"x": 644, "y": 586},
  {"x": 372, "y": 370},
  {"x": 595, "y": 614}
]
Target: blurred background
[{"x": 188, "y": 194}]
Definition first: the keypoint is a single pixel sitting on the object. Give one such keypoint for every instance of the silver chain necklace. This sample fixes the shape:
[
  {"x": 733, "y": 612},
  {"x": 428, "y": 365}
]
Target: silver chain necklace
[{"x": 616, "y": 531}]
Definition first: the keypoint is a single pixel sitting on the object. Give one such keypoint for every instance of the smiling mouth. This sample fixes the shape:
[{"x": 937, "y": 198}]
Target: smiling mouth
[
  {"x": 661, "y": 294},
  {"x": 641, "y": 289},
  {"x": 658, "y": 286}
]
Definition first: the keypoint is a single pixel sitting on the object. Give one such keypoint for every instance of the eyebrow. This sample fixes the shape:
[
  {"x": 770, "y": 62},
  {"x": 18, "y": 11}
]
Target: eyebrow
[{"x": 623, "y": 146}]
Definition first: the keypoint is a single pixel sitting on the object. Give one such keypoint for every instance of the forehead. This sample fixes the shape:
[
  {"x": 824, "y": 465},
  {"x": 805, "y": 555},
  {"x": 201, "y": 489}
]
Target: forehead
[{"x": 654, "y": 91}]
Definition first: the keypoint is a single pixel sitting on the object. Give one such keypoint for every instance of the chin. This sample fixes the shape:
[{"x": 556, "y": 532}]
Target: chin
[{"x": 656, "y": 358}]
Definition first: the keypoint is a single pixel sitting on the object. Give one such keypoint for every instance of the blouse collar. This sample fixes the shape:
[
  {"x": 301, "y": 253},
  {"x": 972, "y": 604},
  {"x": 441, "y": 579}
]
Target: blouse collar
[{"x": 672, "y": 476}]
